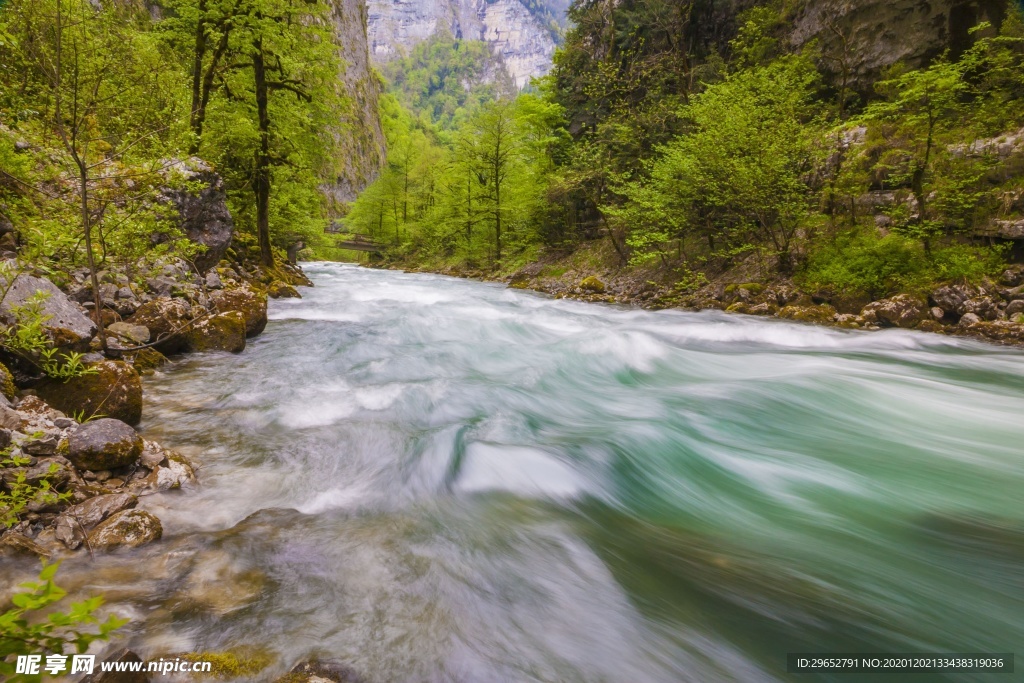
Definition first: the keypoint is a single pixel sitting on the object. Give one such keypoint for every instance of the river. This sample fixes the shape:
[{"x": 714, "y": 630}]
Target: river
[{"x": 434, "y": 479}]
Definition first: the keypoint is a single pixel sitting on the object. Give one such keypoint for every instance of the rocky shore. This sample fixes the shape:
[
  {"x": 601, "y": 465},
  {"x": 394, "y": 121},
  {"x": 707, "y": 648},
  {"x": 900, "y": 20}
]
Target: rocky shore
[{"x": 992, "y": 311}]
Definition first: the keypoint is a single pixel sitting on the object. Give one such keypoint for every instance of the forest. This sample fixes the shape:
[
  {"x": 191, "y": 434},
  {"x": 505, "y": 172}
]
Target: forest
[{"x": 697, "y": 158}]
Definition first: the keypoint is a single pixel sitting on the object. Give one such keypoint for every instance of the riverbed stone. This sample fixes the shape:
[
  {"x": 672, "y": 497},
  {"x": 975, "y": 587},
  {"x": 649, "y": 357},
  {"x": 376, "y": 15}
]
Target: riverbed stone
[
  {"x": 221, "y": 332},
  {"x": 113, "y": 389},
  {"x": 135, "y": 333},
  {"x": 103, "y": 444},
  {"x": 902, "y": 310},
  {"x": 282, "y": 290},
  {"x": 318, "y": 671},
  {"x": 128, "y": 528},
  {"x": 252, "y": 304},
  {"x": 823, "y": 313},
  {"x": 592, "y": 284},
  {"x": 65, "y": 323},
  {"x": 166, "y": 319},
  {"x": 74, "y": 523},
  {"x": 14, "y": 544}
]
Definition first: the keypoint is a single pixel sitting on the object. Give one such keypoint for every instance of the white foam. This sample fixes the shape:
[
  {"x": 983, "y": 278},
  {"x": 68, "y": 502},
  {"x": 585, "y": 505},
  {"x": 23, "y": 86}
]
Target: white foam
[{"x": 524, "y": 471}]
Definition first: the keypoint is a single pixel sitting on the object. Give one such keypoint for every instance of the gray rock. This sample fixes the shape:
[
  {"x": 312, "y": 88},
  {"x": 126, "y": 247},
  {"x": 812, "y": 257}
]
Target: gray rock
[
  {"x": 161, "y": 285},
  {"x": 213, "y": 281},
  {"x": 104, "y": 444},
  {"x": 982, "y": 306},
  {"x": 66, "y": 321},
  {"x": 969, "y": 319},
  {"x": 901, "y": 310},
  {"x": 74, "y": 523},
  {"x": 43, "y": 445},
  {"x": 13, "y": 544},
  {"x": 128, "y": 528},
  {"x": 1015, "y": 308},
  {"x": 152, "y": 454},
  {"x": 64, "y": 423},
  {"x": 135, "y": 333},
  {"x": 10, "y": 418},
  {"x": 951, "y": 298},
  {"x": 937, "y": 313},
  {"x": 202, "y": 215}
]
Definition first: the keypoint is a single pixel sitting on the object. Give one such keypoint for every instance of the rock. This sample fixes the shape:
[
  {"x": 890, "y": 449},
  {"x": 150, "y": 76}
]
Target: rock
[
  {"x": 902, "y": 310},
  {"x": 114, "y": 390},
  {"x": 13, "y": 544},
  {"x": 7, "y": 388},
  {"x": 64, "y": 423},
  {"x": 66, "y": 325},
  {"x": 127, "y": 656},
  {"x": 592, "y": 284},
  {"x": 103, "y": 445},
  {"x": 222, "y": 332},
  {"x": 43, "y": 445},
  {"x": 5, "y": 438},
  {"x": 128, "y": 528},
  {"x": 1015, "y": 294},
  {"x": 145, "y": 361},
  {"x": 135, "y": 333},
  {"x": 203, "y": 215},
  {"x": 250, "y": 303},
  {"x": 999, "y": 330},
  {"x": 37, "y": 406},
  {"x": 951, "y": 298},
  {"x": 982, "y": 306},
  {"x": 1013, "y": 276},
  {"x": 820, "y": 314},
  {"x": 969, "y": 319},
  {"x": 10, "y": 418},
  {"x": 1014, "y": 309},
  {"x": 56, "y": 470},
  {"x": 213, "y": 280},
  {"x": 166, "y": 320},
  {"x": 937, "y": 313},
  {"x": 175, "y": 474},
  {"x": 282, "y": 290},
  {"x": 74, "y": 523},
  {"x": 316, "y": 671}
]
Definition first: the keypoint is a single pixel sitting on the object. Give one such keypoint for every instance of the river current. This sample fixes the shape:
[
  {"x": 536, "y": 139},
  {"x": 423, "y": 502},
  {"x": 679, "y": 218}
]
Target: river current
[{"x": 433, "y": 479}]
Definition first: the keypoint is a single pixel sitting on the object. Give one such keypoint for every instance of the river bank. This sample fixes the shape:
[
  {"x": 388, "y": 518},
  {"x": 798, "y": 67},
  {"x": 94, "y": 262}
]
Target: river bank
[{"x": 992, "y": 310}]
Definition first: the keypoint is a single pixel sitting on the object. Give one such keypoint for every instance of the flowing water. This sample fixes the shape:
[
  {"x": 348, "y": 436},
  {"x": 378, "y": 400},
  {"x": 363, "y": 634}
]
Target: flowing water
[{"x": 433, "y": 479}]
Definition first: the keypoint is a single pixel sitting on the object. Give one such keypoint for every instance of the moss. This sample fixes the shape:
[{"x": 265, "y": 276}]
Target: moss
[
  {"x": 146, "y": 361},
  {"x": 114, "y": 390},
  {"x": 7, "y": 387},
  {"x": 592, "y": 284},
  {"x": 232, "y": 664},
  {"x": 752, "y": 287},
  {"x": 223, "y": 332}
]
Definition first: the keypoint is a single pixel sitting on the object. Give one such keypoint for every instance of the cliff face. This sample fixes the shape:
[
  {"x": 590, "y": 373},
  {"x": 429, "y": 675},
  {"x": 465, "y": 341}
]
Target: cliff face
[
  {"x": 522, "y": 40},
  {"x": 859, "y": 38},
  {"x": 363, "y": 145}
]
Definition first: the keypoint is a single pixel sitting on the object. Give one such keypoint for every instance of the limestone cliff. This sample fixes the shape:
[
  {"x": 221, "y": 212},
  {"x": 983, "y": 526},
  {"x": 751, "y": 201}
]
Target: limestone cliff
[
  {"x": 859, "y": 38},
  {"x": 523, "y": 38},
  {"x": 363, "y": 145}
]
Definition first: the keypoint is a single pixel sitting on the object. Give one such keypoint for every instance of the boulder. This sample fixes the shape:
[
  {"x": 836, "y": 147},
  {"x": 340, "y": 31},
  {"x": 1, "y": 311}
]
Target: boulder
[
  {"x": 820, "y": 314},
  {"x": 282, "y": 290},
  {"x": 10, "y": 418},
  {"x": 114, "y": 390},
  {"x": 66, "y": 325},
  {"x": 951, "y": 298},
  {"x": 247, "y": 301},
  {"x": 1002, "y": 331},
  {"x": 133, "y": 333},
  {"x": 103, "y": 444},
  {"x": 128, "y": 528},
  {"x": 166, "y": 319},
  {"x": 221, "y": 332},
  {"x": 145, "y": 361},
  {"x": 592, "y": 284},
  {"x": 202, "y": 213},
  {"x": 982, "y": 306},
  {"x": 57, "y": 471},
  {"x": 175, "y": 473},
  {"x": 75, "y": 522},
  {"x": 7, "y": 388},
  {"x": 46, "y": 444},
  {"x": 14, "y": 544},
  {"x": 902, "y": 310},
  {"x": 1014, "y": 309},
  {"x": 969, "y": 319}
]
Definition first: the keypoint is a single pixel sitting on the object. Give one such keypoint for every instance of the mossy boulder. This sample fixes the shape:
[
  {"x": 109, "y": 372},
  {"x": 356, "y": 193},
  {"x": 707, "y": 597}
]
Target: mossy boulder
[
  {"x": 252, "y": 304},
  {"x": 809, "y": 314},
  {"x": 126, "y": 529},
  {"x": 145, "y": 361},
  {"x": 221, "y": 332},
  {"x": 592, "y": 284},
  {"x": 7, "y": 388},
  {"x": 282, "y": 290},
  {"x": 113, "y": 390},
  {"x": 104, "y": 444},
  {"x": 166, "y": 319}
]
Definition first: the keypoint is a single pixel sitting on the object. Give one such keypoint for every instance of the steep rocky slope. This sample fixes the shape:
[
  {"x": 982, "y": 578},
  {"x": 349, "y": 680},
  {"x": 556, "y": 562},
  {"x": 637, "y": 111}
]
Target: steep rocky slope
[{"x": 522, "y": 38}]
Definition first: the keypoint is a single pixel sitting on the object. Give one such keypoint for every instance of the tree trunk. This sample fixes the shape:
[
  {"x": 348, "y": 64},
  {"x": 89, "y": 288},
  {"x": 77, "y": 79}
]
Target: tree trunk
[
  {"x": 197, "y": 72},
  {"x": 262, "y": 173},
  {"x": 97, "y": 300}
]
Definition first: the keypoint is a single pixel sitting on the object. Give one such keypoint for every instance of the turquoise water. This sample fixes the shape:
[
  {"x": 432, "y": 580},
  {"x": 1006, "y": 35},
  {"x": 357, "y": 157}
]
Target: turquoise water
[{"x": 433, "y": 479}]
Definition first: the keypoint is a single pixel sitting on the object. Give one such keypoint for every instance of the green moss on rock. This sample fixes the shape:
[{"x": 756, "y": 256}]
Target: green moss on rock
[
  {"x": 7, "y": 387},
  {"x": 113, "y": 390},
  {"x": 252, "y": 304},
  {"x": 592, "y": 284},
  {"x": 222, "y": 332}
]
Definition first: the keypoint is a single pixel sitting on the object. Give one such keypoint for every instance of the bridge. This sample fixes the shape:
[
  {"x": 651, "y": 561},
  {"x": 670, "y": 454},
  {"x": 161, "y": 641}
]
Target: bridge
[{"x": 357, "y": 242}]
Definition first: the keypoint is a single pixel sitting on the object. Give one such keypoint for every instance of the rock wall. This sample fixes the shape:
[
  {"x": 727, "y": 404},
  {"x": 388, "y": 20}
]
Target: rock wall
[
  {"x": 363, "y": 145},
  {"x": 863, "y": 37},
  {"x": 524, "y": 43}
]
